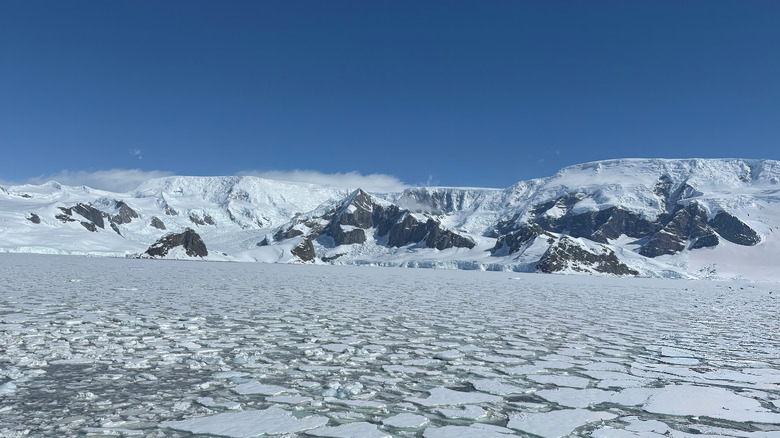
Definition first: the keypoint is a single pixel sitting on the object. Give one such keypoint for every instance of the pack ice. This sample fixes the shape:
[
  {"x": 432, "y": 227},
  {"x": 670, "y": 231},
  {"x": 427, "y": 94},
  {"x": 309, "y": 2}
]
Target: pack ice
[{"x": 132, "y": 347}]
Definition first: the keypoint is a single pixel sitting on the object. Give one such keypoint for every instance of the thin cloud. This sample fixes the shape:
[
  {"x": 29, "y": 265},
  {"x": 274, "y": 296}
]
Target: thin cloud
[
  {"x": 375, "y": 182},
  {"x": 136, "y": 153},
  {"x": 115, "y": 180}
]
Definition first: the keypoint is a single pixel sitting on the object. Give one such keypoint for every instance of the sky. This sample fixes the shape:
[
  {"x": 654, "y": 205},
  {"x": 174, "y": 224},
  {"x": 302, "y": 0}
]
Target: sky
[{"x": 452, "y": 93}]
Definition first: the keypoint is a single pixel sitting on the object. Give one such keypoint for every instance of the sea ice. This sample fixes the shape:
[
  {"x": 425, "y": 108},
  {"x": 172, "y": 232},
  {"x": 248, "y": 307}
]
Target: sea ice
[
  {"x": 254, "y": 387},
  {"x": 406, "y": 421},
  {"x": 556, "y": 424},
  {"x": 248, "y": 424},
  {"x": 350, "y": 430},
  {"x": 448, "y": 397}
]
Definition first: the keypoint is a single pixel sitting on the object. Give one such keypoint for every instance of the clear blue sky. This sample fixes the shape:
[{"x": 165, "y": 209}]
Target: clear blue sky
[{"x": 477, "y": 93}]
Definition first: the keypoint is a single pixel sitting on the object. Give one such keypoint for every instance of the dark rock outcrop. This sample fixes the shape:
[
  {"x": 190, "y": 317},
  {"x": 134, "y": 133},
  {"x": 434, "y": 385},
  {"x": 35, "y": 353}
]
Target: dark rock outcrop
[
  {"x": 115, "y": 228},
  {"x": 688, "y": 224},
  {"x": 706, "y": 241},
  {"x": 407, "y": 230},
  {"x": 441, "y": 238},
  {"x": 34, "y": 218},
  {"x": 567, "y": 254},
  {"x": 188, "y": 239},
  {"x": 734, "y": 230},
  {"x": 304, "y": 251},
  {"x": 125, "y": 214},
  {"x": 170, "y": 211},
  {"x": 209, "y": 220},
  {"x": 157, "y": 223},
  {"x": 90, "y": 213},
  {"x": 89, "y": 225}
]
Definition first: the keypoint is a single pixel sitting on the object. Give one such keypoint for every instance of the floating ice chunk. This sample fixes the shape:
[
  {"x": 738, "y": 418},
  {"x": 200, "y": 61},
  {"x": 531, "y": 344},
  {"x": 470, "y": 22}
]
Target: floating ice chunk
[
  {"x": 449, "y": 355},
  {"x": 409, "y": 370},
  {"x": 708, "y": 402},
  {"x": 406, "y": 421},
  {"x": 496, "y": 387},
  {"x": 556, "y": 424},
  {"x": 182, "y": 405},
  {"x": 111, "y": 431},
  {"x": 248, "y": 424},
  {"x": 289, "y": 399},
  {"x": 448, "y": 397},
  {"x": 492, "y": 358},
  {"x": 523, "y": 370},
  {"x": 639, "y": 428},
  {"x": 350, "y": 430},
  {"x": 575, "y": 398},
  {"x": 469, "y": 412},
  {"x": 210, "y": 403},
  {"x": 612, "y": 379},
  {"x": 473, "y": 431},
  {"x": 229, "y": 374},
  {"x": 558, "y": 380},
  {"x": 364, "y": 404},
  {"x": 255, "y": 387},
  {"x": 679, "y": 360},
  {"x": 336, "y": 389},
  {"x": 337, "y": 348}
]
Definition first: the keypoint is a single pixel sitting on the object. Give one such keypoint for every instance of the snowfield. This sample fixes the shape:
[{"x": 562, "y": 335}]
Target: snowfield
[{"x": 127, "y": 347}]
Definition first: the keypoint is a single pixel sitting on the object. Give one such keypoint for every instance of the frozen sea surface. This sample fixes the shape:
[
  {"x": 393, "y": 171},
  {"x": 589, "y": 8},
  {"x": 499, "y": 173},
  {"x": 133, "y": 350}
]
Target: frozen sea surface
[{"x": 115, "y": 347}]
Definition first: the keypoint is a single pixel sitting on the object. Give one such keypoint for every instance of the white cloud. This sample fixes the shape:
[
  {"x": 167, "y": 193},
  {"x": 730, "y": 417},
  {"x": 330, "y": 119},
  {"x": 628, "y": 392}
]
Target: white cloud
[
  {"x": 375, "y": 182},
  {"x": 136, "y": 153},
  {"x": 115, "y": 180},
  {"x": 124, "y": 180}
]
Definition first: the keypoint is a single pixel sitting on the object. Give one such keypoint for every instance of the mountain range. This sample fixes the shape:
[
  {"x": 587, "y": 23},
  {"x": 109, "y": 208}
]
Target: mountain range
[{"x": 693, "y": 218}]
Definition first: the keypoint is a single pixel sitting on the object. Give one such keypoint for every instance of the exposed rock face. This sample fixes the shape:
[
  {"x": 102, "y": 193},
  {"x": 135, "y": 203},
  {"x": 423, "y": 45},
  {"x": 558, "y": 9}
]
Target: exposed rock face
[
  {"x": 125, "y": 214},
  {"x": 360, "y": 214},
  {"x": 688, "y": 223},
  {"x": 189, "y": 240},
  {"x": 304, "y": 251},
  {"x": 705, "y": 241},
  {"x": 90, "y": 213},
  {"x": 566, "y": 254},
  {"x": 34, "y": 218},
  {"x": 734, "y": 230},
  {"x": 89, "y": 225},
  {"x": 170, "y": 211},
  {"x": 209, "y": 220},
  {"x": 115, "y": 228},
  {"x": 157, "y": 223}
]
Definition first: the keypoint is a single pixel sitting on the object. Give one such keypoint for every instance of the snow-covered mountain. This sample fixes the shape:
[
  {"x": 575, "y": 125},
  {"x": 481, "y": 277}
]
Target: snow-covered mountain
[{"x": 650, "y": 217}]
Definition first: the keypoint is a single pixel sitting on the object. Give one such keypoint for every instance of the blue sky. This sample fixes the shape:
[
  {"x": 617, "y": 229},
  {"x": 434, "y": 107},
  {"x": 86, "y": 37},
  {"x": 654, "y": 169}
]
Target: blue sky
[{"x": 477, "y": 93}]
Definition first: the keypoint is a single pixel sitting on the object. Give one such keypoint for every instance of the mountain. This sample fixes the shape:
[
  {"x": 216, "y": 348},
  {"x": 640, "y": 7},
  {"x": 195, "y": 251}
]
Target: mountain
[{"x": 715, "y": 218}]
